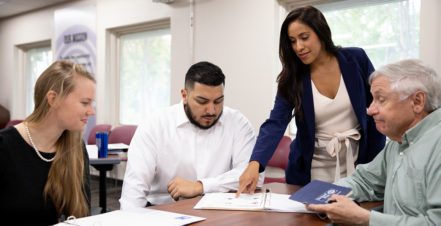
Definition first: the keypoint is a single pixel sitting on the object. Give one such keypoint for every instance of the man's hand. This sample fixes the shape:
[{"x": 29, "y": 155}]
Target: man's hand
[
  {"x": 343, "y": 210},
  {"x": 249, "y": 178},
  {"x": 179, "y": 187}
]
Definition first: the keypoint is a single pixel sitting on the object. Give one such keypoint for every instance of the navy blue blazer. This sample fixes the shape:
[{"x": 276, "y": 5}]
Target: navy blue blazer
[{"x": 356, "y": 68}]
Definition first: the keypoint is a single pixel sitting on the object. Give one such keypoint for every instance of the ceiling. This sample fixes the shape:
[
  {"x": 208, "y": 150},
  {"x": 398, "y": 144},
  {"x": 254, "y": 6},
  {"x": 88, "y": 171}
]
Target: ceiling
[{"x": 13, "y": 7}]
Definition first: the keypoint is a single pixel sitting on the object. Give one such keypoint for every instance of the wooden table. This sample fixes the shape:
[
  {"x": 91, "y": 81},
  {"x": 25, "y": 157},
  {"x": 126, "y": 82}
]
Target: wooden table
[{"x": 229, "y": 217}]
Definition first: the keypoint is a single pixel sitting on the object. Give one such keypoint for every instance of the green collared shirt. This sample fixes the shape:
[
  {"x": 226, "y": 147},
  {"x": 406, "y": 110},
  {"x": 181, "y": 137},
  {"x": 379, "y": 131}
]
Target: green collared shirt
[{"x": 406, "y": 175}]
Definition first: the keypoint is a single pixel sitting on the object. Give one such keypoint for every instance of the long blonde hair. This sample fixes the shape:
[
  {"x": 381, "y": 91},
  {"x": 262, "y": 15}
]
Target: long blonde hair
[{"x": 65, "y": 185}]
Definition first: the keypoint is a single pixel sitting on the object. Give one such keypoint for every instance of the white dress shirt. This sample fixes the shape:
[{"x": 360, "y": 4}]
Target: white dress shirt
[{"x": 168, "y": 145}]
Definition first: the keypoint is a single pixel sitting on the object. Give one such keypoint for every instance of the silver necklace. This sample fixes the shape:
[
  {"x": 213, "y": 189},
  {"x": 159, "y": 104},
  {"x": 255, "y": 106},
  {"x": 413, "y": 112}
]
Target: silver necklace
[{"x": 35, "y": 148}]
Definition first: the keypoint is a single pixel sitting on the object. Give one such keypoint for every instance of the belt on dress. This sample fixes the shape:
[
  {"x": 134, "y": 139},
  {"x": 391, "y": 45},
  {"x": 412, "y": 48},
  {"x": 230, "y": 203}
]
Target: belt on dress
[{"x": 334, "y": 146}]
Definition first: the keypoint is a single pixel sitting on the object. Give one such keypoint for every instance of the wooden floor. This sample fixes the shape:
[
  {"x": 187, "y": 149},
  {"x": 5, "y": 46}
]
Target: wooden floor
[{"x": 113, "y": 192}]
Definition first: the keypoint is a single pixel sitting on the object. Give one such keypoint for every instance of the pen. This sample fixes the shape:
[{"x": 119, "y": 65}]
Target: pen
[
  {"x": 268, "y": 196},
  {"x": 332, "y": 201}
]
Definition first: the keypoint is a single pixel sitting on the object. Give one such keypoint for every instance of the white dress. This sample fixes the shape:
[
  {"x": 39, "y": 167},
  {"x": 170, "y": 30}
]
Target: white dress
[{"x": 336, "y": 136}]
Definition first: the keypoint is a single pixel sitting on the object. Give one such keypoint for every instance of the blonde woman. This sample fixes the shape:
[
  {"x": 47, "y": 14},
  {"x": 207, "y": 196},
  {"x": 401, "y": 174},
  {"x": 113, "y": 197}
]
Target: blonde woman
[{"x": 43, "y": 163}]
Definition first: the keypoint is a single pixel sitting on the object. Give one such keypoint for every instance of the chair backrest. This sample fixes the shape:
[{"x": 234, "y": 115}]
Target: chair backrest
[
  {"x": 13, "y": 123},
  {"x": 279, "y": 159},
  {"x": 122, "y": 134},
  {"x": 98, "y": 128},
  {"x": 5, "y": 117},
  {"x": 280, "y": 156}
]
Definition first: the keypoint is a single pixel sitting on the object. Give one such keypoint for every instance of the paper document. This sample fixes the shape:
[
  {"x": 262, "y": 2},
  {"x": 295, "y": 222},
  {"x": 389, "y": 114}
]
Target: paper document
[
  {"x": 92, "y": 150},
  {"x": 230, "y": 202},
  {"x": 135, "y": 217},
  {"x": 282, "y": 203},
  {"x": 118, "y": 146},
  {"x": 256, "y": 202}
]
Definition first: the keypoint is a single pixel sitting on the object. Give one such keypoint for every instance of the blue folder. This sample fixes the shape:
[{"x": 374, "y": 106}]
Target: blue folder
[{"x": 318, "y": 192}]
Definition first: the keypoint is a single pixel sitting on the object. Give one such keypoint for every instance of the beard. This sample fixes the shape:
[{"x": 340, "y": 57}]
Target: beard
[{"x": 191, "y": 117}]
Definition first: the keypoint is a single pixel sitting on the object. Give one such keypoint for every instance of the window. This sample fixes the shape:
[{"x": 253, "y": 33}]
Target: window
[
  {"x": 143, "y": 72},
  {"x": 36, "y": 61},
  {"x": 387, "y": 30}
]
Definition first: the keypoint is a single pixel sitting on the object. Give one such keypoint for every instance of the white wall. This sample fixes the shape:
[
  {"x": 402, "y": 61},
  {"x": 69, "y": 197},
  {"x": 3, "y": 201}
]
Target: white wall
[
  {"x": 239, "y": 36},
  {"x": 27, "y": 28},
  {"x": 430, "y": 34}
]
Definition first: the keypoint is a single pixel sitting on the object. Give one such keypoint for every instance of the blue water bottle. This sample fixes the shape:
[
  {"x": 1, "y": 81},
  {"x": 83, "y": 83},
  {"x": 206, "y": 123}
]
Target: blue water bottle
[{"x": 102, "y": 140}]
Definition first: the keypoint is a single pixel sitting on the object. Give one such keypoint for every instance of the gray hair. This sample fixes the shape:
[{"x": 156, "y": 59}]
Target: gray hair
[{"x": 409, "y": 76}]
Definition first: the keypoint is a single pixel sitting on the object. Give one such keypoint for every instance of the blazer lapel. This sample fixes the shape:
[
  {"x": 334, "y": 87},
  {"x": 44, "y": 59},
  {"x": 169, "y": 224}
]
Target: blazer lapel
[
  {"x": 308, "y": 106},
  {"x": 354, "y": 87}
]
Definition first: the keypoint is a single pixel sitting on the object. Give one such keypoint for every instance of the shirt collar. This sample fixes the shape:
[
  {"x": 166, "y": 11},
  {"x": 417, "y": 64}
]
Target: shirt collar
[
  {"x": 182, "y": 119},
  {"x": 414, "y": 133}
]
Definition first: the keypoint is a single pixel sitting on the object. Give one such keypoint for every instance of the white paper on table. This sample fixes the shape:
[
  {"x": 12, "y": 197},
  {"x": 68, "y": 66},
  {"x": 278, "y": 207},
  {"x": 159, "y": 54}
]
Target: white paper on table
[
  {"x": 257, "y": 202},
  {"x": 282, "y": 203},
  {"x": 92, "y": 150},
  {"x": 228, "y": 201},
  {"x": 135, "y": 217},
  {"x": 117, "y": 146}
]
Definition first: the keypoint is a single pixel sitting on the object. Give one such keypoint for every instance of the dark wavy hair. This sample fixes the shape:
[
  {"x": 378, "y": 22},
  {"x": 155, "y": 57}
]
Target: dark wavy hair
[{"x": 293, "y": 70}]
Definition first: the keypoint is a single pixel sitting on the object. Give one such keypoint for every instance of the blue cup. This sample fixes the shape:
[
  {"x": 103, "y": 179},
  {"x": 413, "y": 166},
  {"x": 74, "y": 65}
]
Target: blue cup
[{"x": 102, "y": 141}]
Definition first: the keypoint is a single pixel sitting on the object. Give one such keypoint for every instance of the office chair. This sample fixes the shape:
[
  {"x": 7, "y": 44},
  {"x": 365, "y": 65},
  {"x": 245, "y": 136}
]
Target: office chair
[
  {"x": 278, "y": 162},
  {"x": 122, "y": 134},
  {"x": 4, "y": 117},
  {"x": 13, "y": 123}
]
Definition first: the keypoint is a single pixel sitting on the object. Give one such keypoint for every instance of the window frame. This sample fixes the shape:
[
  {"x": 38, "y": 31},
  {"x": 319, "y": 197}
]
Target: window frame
[
  {"x": 113, "y": 59},
  {"x": 22, "y": 65},
  {"x": 338, "y": 4}
]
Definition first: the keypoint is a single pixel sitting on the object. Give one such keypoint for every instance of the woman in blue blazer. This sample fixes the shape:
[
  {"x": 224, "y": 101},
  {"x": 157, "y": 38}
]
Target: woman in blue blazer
[{"x": 314, "y": 68}]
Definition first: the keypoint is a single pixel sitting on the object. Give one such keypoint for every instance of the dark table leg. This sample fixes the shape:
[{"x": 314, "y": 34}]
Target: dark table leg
[{"x": 103, "y": 191}]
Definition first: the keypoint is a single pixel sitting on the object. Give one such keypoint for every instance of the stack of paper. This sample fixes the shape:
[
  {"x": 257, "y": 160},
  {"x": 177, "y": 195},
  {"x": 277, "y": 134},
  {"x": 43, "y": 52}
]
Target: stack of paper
[
  {"x": 92, "y": 149},
  {"x": 117, "y": 147}
]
